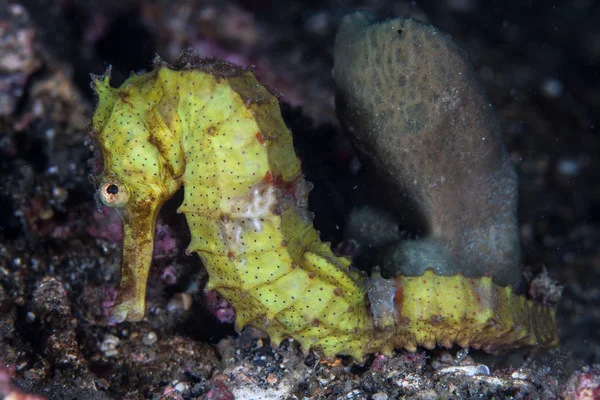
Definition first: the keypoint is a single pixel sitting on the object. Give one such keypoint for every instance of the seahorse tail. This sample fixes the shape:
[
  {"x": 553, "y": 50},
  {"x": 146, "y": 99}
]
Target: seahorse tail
[{"x": 469, "y": 312}]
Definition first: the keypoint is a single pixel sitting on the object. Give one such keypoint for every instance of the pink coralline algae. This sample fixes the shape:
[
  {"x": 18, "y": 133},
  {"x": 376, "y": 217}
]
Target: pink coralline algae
[
  {"x": 584, "y": 384},
  {"x": 8, "y": 391},
  {"x": 110, "y": 295},
  {"x": 106, "y": 225},
  {"x": 219, "y": 307},
  {"x": 219, "y": 391},
  {"x": 165, "y": 243},
  {"x": 169, "y": 275}
]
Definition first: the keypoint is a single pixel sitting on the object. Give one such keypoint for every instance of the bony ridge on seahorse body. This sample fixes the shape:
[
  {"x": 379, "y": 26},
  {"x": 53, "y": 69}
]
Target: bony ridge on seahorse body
[{"x": 210, "y": 127}]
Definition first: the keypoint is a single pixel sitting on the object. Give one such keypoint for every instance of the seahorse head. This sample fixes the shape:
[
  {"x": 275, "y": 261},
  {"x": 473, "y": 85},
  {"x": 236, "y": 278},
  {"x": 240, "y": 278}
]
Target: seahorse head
[{"x": 137, "y": 131}]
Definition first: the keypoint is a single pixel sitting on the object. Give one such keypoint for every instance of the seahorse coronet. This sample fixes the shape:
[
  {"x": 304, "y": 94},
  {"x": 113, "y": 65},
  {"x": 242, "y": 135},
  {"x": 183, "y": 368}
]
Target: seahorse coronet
[{"x": 210, "y": 127}]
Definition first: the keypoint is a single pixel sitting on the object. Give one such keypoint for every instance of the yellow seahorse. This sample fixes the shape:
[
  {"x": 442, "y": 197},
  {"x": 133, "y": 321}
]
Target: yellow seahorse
[{"x": 212, "y": 128}]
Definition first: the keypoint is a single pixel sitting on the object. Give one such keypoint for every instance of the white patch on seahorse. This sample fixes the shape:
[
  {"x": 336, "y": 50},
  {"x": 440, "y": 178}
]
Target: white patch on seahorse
[
  {"x": 231, "y": 234},
  {"x": 246, "y": 212},
  {"x": 255, "y": 205},
  {"x": 381, "y": 294}
]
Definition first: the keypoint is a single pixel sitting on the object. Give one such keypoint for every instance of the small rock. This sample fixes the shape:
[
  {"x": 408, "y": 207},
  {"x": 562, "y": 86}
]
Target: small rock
[
  {"x": 180, "y": 302},
  {"x": 30, "y": 317},
  {"x": 519, "y": 374},
  {"x": 52, "y": 306},
  {"x": 149, "y": 338},
  {"x": 182, "y": 386},
  {"x": 380, "y": 396},
  {"x": 467, "y": 370},
  {"x": 109, "y": 345}
]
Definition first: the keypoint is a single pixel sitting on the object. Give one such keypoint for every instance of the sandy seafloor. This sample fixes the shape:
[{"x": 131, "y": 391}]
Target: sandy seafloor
[{"x": 59, "y": 256}]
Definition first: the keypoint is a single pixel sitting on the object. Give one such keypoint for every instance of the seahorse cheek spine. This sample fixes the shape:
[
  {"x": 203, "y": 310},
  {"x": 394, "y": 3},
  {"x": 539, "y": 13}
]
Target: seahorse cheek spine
[{"x": 212, "y": 128}]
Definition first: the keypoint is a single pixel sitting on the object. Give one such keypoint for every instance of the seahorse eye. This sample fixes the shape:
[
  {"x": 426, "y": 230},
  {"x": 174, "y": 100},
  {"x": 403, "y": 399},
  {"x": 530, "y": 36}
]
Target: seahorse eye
[
  {"x": 114, "y": 194},
  {"x": 112, "y": 189}
]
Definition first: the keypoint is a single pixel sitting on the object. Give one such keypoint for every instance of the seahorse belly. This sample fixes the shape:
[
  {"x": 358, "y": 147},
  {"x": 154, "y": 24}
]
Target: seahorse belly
[{"x": 245, "y": 204}]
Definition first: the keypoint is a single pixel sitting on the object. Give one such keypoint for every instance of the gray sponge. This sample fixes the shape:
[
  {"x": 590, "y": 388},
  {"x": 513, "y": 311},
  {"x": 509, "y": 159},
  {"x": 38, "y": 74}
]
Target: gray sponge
[{"x": 412, "y": 103}]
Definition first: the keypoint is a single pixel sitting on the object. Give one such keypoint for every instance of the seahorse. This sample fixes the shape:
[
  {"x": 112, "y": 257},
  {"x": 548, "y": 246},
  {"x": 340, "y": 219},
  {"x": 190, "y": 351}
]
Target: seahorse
[{"x": 210, "y": 127}]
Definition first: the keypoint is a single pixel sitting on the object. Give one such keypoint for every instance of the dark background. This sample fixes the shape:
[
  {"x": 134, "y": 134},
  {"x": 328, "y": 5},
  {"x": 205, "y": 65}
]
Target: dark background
[{"x": 539, "y": 61}]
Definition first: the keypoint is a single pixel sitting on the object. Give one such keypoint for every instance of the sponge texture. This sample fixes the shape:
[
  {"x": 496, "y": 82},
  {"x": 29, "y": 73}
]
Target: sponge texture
[{"x": 412, "y": 103}]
